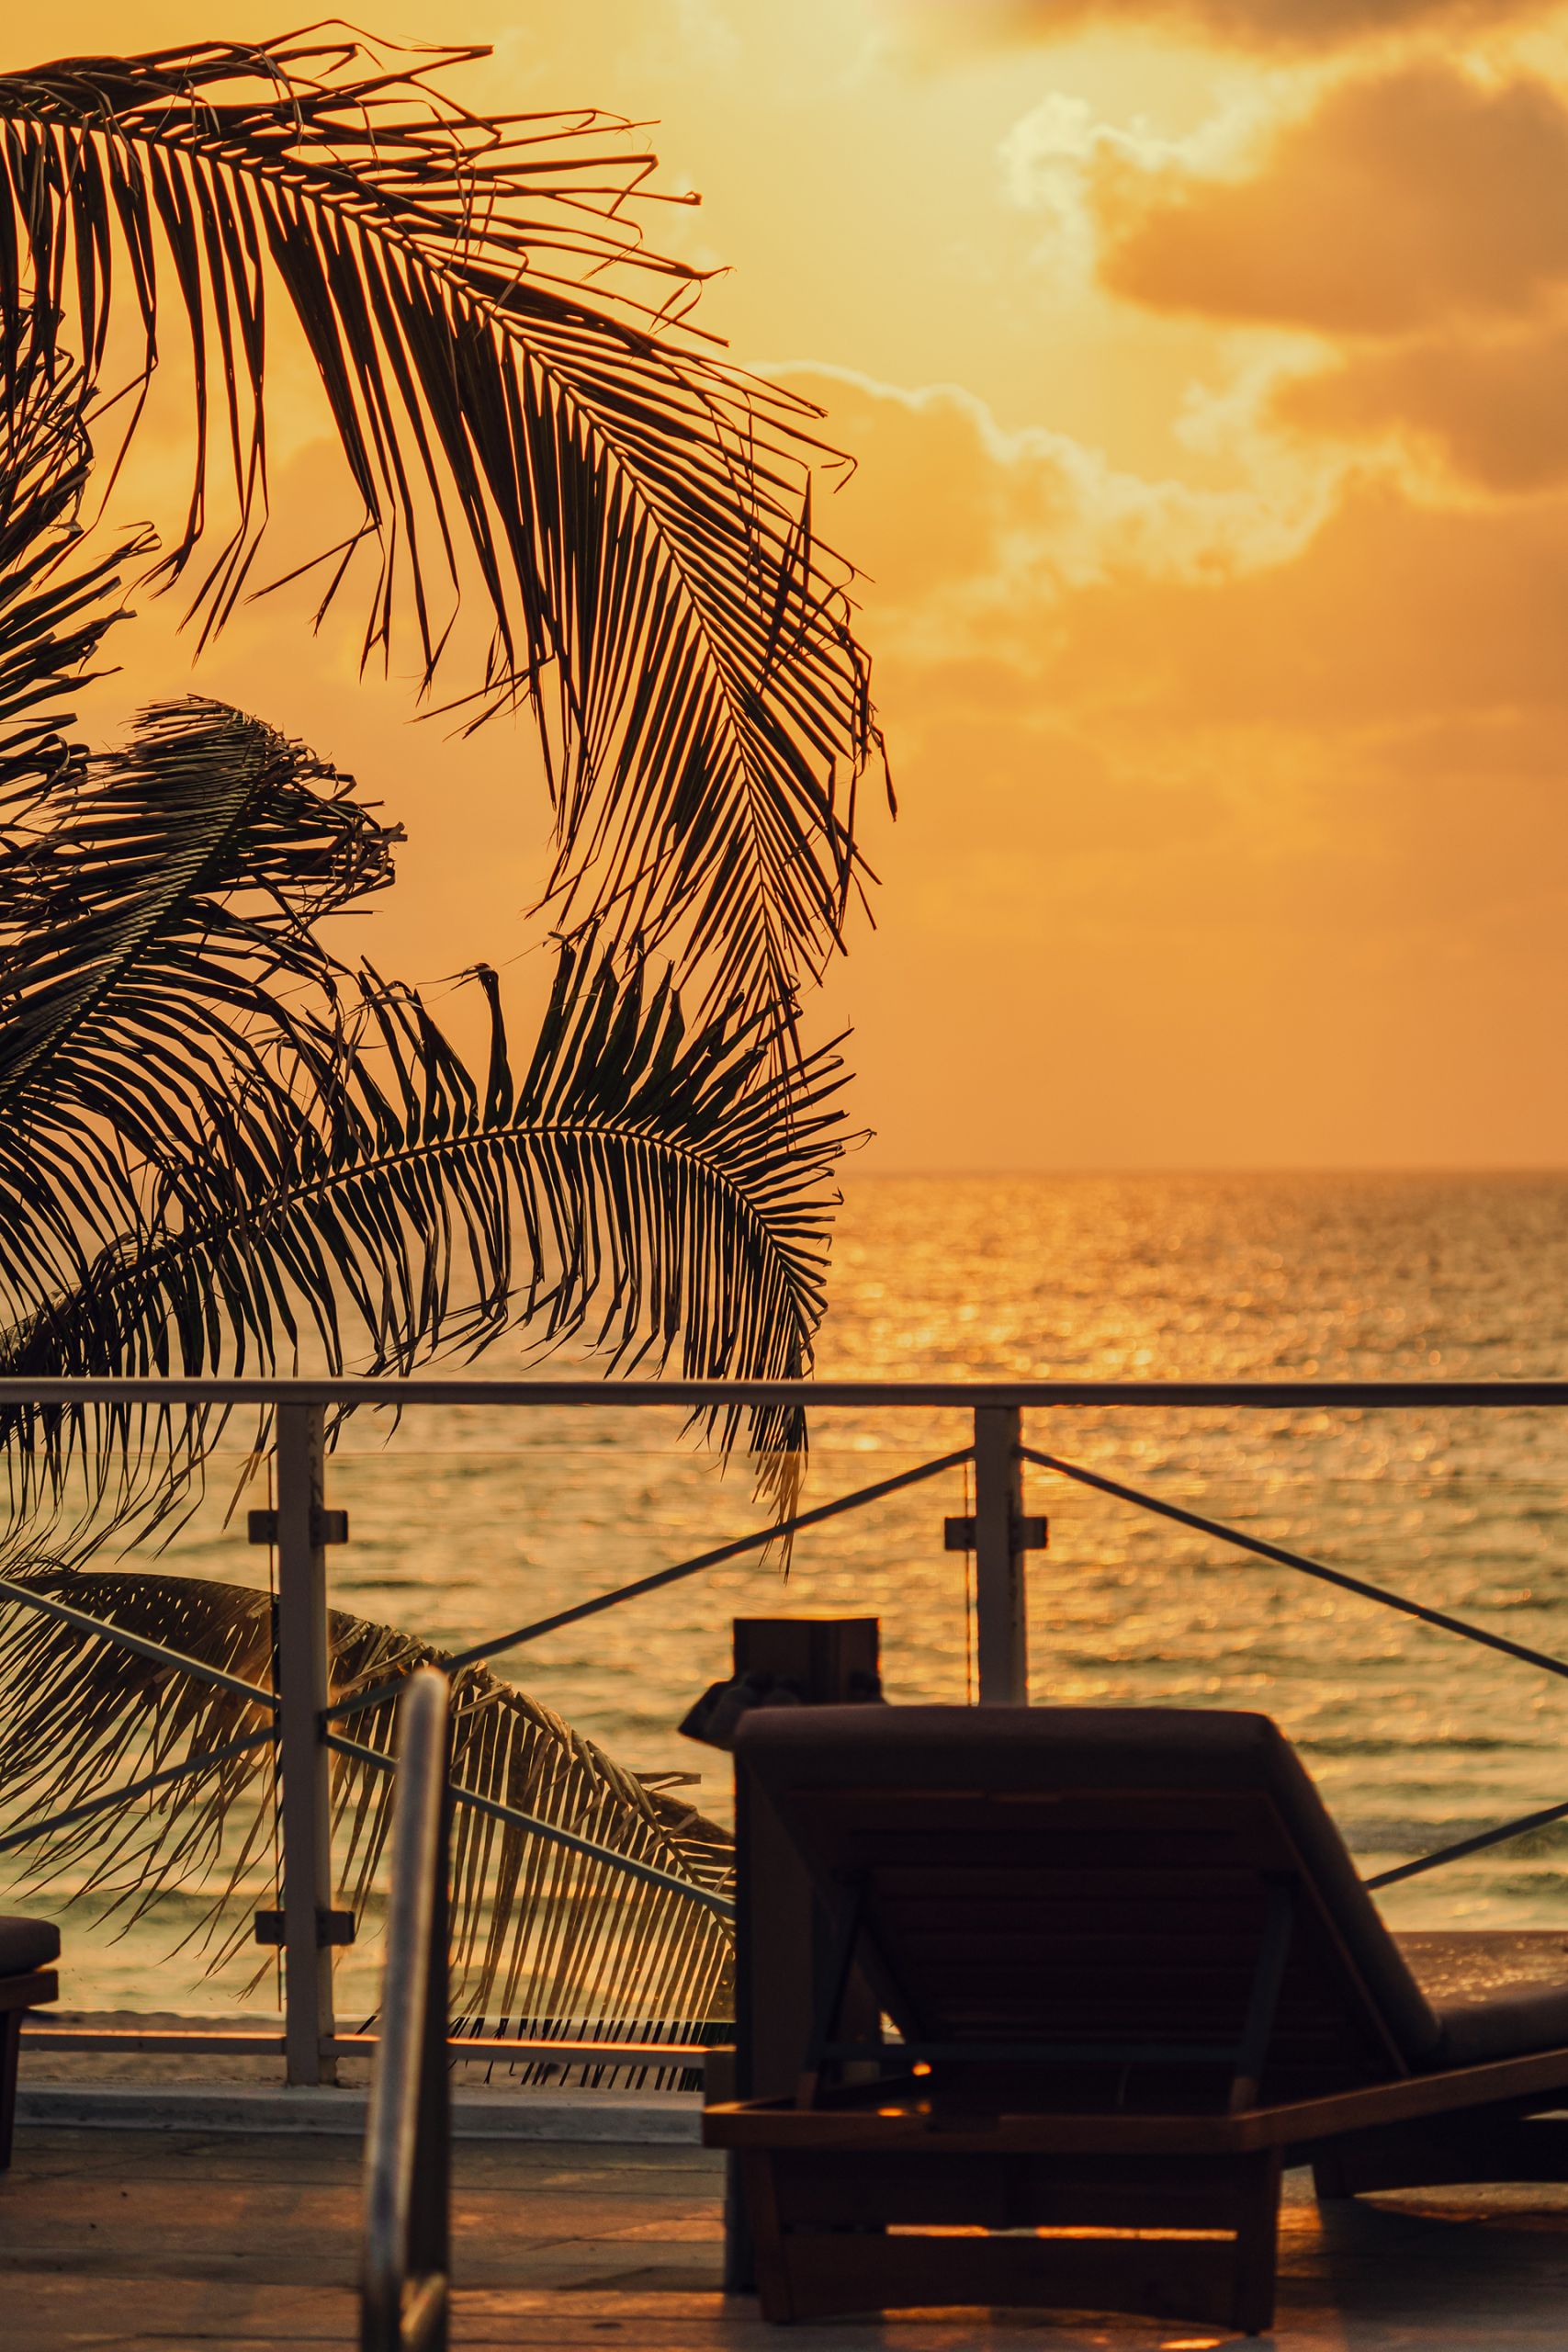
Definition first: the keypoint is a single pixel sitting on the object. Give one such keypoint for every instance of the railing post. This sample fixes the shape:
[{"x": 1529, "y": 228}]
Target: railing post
[
  {"x": 1002, "y": 1631},
  {"x": 430, "y": 2215},
  {"x": 303, "y": 1695}
]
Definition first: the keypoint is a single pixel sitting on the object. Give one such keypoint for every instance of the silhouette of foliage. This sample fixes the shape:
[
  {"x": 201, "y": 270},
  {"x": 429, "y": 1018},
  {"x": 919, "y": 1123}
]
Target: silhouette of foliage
[
  {"x": 519, "y": 418},
  {"x": 559, "y": 1946},
  {"x": 224, "y": 1147}
]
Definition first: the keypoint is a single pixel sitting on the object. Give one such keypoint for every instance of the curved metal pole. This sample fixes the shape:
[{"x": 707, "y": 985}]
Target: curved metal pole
[{"x": 403, "y": 2286}]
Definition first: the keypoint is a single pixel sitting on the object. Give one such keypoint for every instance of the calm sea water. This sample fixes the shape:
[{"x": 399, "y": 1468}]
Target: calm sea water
[{"x": 467, "y": 1522}]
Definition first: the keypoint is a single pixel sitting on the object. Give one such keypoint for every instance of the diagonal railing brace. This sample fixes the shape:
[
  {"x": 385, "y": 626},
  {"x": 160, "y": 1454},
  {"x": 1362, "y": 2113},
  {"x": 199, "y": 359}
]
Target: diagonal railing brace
[
  {"x": 127, "y": 1793},
  {"x": 1521, "y": 1828},
  {"x": 627, "y": 1864},
  {"x": 143, "y": 1646},
  {"x": 1441, "y": 1618}
]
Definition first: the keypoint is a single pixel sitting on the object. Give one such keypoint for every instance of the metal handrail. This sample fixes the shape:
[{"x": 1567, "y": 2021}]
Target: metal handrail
[
  {"x": 965, "y": 1396},
  {"x": 405, "y": 2274}
]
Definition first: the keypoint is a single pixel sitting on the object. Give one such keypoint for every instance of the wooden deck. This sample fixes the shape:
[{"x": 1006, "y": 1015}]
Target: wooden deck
[{"x": 112, "y": 2238}]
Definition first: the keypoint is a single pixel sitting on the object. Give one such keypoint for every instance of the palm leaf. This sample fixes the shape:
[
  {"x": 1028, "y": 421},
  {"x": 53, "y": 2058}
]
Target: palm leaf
[
  {"x": 55, "y": 610},
  {"x": 634, "y": 513},
  {"x": 155, "y": 908},
  {"x": 177, "y": 883},
  {"x": 651, "y": 1193},
  {"x": 544, "y": 1942},
  {"x": 215, "y": 1138}
]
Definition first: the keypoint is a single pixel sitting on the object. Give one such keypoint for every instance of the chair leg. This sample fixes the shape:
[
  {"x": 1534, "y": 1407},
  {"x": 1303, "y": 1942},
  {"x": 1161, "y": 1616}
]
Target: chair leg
[
  {"x": 10, "y": 2052},
  {"x": 740, "y": 2256},
  {"x": 767, "y": 2238},
  {"x": 1257, "y": 2245}
]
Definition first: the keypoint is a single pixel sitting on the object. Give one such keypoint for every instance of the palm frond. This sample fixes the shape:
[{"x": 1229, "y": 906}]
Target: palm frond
[
  {"x": 159, "y": 906},
  {"x": 55, "y": 606},
  {"x": 544, "y": 1942},
  {"x": 515, "y": 414},
  {"x": 155, "y": 906},
  {"x": 651, "y": 1193}
]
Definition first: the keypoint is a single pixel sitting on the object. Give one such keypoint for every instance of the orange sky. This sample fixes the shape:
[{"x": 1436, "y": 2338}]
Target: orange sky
[{"x": 1209, "y": 382}]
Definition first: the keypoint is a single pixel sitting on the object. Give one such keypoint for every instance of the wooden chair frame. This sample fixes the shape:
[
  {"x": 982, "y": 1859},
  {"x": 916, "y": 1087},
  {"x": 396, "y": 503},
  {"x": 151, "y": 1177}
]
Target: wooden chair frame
[
  {"x": 863, "y": 2191},
  {"x": 18, "y": 1996}
]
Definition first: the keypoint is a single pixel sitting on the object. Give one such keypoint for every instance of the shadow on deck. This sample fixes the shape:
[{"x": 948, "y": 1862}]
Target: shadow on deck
[{"x": 111, "y": 2238}]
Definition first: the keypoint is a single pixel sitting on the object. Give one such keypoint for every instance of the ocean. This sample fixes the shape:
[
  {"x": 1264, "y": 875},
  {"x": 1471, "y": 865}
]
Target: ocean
[{"x": 465, "y": 1522}]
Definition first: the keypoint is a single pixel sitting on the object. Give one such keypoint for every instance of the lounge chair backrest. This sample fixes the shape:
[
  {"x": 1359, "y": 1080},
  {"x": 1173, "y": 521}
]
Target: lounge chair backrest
[{"x": 1091, "y": 1877}]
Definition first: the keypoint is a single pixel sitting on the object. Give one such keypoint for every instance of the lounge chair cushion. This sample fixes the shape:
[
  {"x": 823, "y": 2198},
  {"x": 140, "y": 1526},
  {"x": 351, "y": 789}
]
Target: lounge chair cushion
[
  {"x": 1449, "y": 2000},
  {"x": 26, "y": 1944},
  {"x": 1497, "y": 1993},
  {"x": 960, "y": 1767}
]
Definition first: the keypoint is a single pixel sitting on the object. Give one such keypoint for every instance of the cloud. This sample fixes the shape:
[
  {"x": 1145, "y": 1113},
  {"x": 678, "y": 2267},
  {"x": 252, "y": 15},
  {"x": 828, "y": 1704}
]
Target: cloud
[
  {"x": 1203, "y": 806},
  {"x": 972, "y": 536},
  {"x": 1019, "y": 576},
  {"x": 1111, "y": 727},
  {"x": 1495, "y": 411},
  {"x": 1061, "y": 155},
  {"x": 1394, "y": 615},
  {"x": 1400, "y": 201},
  {"x": 1267, "y": 25}
]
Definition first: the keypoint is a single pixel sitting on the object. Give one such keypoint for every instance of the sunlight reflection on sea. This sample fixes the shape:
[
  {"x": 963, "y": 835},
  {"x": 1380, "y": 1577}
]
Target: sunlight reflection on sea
[{"x": 466, "y": 1521}]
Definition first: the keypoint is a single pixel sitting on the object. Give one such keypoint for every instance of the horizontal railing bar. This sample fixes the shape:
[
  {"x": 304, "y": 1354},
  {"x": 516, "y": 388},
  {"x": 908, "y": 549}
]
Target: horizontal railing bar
[
  {"x": 478, "y": 2050},
  {"x": 734, "y": 1550},
  {"x": 151, "y": 2041},
  {"x": 160, "y": 1652},
  {"x": 689, "y": 1395},
  {"x": 1277, "y": 1551},
  {"x": 626, "y": 1863},
  {"x": 108, "y": 1798},
  {"x": 493, "y": 2049},
  {"x": 1476, "y": 1845}
]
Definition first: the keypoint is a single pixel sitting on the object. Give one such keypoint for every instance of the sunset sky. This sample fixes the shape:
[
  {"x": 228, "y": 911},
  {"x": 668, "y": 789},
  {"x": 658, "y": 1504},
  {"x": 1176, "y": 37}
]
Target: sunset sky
[{"x": 1206, "y": 365}]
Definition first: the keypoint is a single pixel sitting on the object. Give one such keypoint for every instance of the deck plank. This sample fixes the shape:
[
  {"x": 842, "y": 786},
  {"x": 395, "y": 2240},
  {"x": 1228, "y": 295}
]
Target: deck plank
[{"x": 113, "y": 2240}]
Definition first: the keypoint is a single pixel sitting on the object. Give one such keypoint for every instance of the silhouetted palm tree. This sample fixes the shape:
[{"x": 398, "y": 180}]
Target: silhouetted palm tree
[
  {"x": 215, "y": 1135},
  {"x": 521, "y": 416}
]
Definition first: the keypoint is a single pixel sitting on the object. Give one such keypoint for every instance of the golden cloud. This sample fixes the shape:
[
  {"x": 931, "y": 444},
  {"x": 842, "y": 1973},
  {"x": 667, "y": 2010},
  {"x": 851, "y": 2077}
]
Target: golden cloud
[
  {"x": 1017, "y": 574},
  {"x": 971, "y": 536},
  {"x": 1287, "y": 24},
  {"x": 1401, "y": 200},
  {"x": 1264, "y": 857},
  {"x": 1494, "y": 411}
]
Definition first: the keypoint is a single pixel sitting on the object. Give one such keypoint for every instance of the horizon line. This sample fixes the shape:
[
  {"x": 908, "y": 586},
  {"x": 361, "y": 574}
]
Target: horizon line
[{"x": 1214, "y": 1167}]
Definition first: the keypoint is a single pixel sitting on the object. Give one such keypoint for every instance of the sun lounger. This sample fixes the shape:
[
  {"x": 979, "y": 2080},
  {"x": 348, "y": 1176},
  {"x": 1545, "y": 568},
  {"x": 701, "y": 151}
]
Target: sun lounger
[
  {"x": 27, "y": 1978},
  {"x": 1128, "y": 1969}
]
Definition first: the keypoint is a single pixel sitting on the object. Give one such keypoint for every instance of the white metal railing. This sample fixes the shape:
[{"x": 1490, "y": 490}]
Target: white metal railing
[{"x": 304, "y": 1720}]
